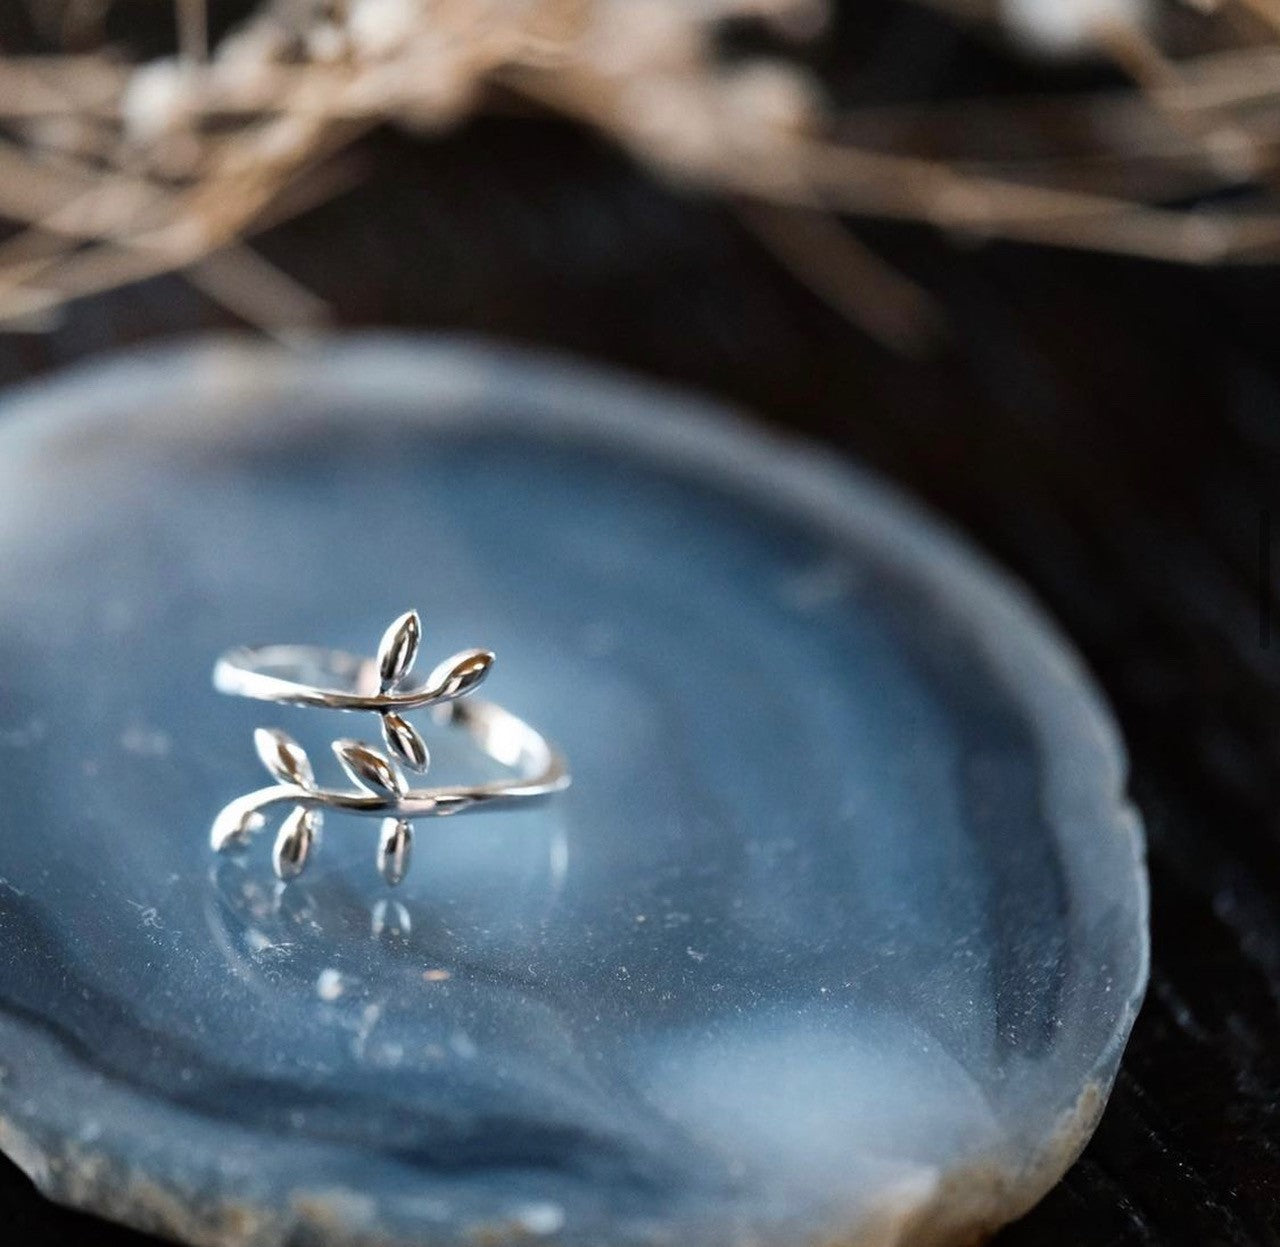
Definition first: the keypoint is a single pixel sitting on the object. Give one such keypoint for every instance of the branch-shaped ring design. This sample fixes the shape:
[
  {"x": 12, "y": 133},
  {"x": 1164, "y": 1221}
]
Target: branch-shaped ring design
[{"x": 310, "y": 676}]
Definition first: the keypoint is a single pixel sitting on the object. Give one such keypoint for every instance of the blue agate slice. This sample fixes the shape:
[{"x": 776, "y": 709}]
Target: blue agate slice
[{"x": 838, "y": 935}]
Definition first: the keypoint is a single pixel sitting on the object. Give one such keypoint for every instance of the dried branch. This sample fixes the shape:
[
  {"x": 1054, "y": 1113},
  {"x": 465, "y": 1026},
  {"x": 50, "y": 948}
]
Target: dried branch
[
  {"x": 847, "y": 275},
  {"x": 118, "y": 172}
]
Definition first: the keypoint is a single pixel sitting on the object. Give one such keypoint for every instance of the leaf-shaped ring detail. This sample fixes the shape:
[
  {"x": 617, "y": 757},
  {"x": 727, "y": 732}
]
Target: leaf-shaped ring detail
[{"x": 309, "y": 676}]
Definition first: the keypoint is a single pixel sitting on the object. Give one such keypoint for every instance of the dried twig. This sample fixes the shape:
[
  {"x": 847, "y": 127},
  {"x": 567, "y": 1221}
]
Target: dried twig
[
  {"x": 847, "y": 275},
  {"x": 119, "y": 172}
]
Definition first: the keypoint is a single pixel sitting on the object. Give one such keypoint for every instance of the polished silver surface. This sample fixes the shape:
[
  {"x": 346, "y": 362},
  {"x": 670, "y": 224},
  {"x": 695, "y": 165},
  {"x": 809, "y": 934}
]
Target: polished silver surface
[{"x": 306, "y": 675}]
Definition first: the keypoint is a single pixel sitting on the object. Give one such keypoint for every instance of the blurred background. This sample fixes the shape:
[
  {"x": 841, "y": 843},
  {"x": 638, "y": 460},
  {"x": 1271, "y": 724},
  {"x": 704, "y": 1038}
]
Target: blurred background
[{"x": 1017, "y": 255}]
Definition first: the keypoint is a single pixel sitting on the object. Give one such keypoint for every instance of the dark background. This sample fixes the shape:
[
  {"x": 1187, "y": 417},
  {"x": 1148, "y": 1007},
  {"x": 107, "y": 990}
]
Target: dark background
[{"x": 1108, "y": 428}]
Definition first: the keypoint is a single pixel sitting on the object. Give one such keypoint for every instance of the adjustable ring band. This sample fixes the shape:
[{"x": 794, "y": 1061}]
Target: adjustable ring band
[{"x": 311, "y": 676}]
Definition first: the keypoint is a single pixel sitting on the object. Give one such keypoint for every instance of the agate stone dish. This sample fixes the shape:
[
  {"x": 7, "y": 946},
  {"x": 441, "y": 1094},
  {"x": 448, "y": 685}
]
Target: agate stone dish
[{"x": 837, "y": 937}]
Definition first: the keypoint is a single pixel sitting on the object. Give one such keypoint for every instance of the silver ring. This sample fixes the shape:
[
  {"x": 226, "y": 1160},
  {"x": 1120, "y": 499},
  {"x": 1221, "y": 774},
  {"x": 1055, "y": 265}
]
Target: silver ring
[{"x": 305, "y": 675}]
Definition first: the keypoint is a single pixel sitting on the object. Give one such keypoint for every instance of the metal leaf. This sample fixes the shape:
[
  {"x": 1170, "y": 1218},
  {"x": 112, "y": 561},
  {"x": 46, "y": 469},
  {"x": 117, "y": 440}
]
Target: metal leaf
[
  {"x": 293, "y": 844},
  {"x": 403, "y": 740},
  {"x": 457, "y": 676},
  {"x": 395, "y": 846},
  {"x": 283, "y": 757},
  {"x": 370, "y": 769},
  {"x": 232, "y": 827},
  {"x": 398, "y": 648}
]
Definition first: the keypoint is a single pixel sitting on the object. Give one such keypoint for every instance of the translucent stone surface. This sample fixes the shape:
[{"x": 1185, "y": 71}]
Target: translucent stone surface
[{"x": 837, "y": 937}]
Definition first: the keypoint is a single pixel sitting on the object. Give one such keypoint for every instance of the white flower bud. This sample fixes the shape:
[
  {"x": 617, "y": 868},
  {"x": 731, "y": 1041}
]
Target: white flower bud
[
  {"x": 157, "y": 100},
  {"x": 380, "y": 28},
  {"x": 1067, "y": 27}
]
